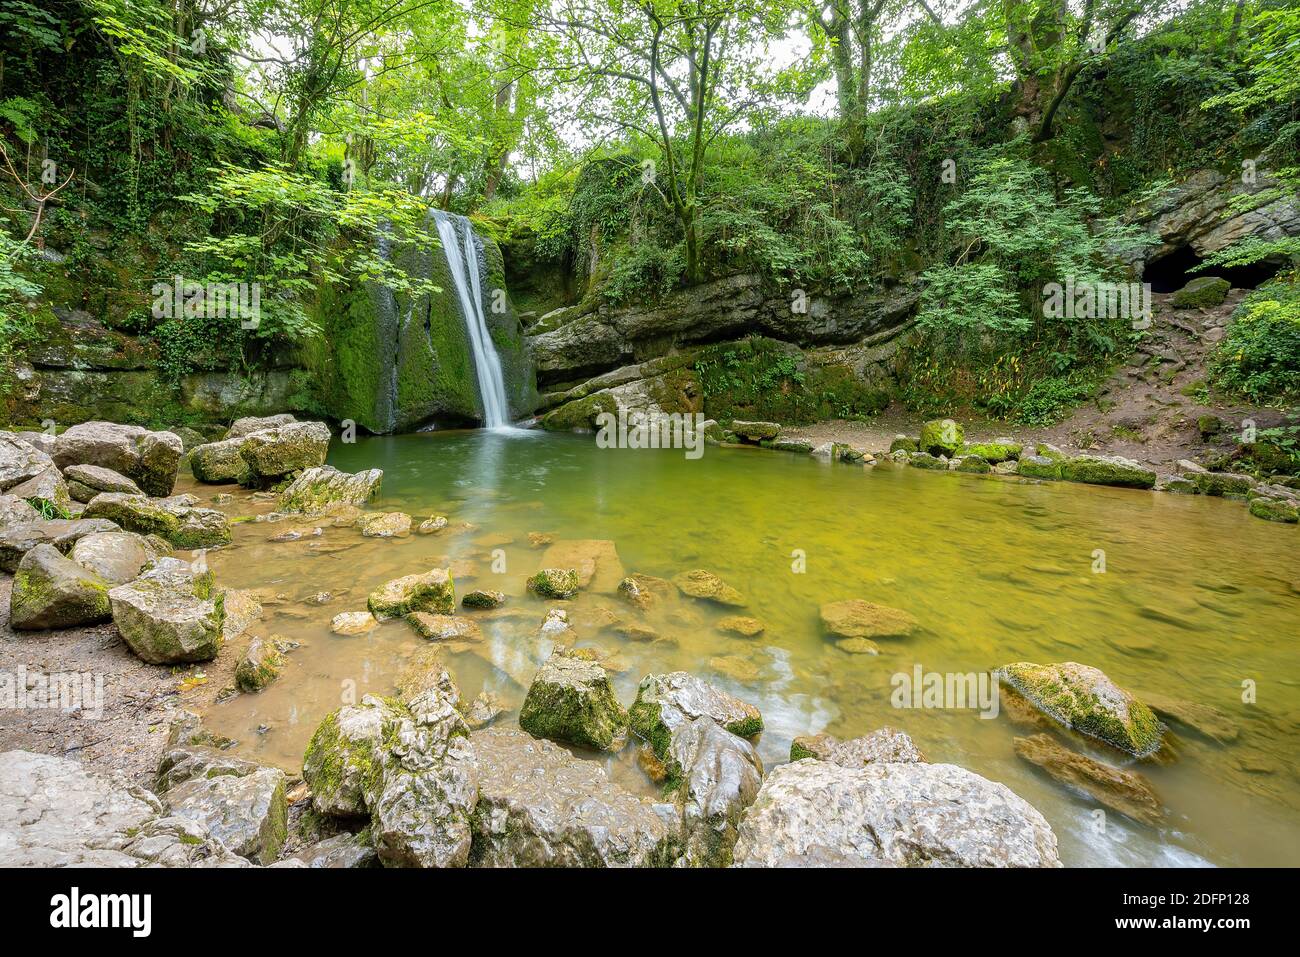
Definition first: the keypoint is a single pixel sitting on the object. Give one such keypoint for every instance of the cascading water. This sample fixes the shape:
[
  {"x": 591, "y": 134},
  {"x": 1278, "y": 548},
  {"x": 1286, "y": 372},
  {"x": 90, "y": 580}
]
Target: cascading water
[{"x": 463, "y": 264}]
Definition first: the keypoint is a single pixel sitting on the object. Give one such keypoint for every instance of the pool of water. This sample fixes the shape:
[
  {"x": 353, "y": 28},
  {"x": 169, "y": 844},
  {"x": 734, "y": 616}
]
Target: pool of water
[{"x": 1196, "y": 597}]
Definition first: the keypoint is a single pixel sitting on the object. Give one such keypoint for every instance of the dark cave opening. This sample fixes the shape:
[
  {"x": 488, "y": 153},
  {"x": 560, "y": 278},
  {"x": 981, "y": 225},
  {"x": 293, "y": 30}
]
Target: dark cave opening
[{"x": 1172, "y": 271}]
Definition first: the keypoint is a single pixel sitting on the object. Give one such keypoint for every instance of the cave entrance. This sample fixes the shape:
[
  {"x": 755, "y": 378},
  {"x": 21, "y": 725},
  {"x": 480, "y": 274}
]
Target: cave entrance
[{"x": 1172, "y": 271}]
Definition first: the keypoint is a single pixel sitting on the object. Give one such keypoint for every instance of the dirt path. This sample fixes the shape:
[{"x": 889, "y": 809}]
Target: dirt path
[{"x": 1147, "y": 411}]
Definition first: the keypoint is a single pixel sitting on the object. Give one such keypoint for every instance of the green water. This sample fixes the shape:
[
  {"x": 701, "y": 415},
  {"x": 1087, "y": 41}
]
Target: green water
[{"x": 1196, "y": 597}]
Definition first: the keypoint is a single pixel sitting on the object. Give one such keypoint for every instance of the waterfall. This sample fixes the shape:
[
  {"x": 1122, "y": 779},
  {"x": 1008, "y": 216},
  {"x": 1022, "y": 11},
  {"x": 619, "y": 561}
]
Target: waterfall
[{"x": 463, "y": 264}]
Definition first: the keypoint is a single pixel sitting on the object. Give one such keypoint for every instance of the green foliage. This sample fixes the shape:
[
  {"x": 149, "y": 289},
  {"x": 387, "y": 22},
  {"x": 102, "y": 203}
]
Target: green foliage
[
  {"x": 15, "y": 291},
  {"x": 1259, "y": 358}
]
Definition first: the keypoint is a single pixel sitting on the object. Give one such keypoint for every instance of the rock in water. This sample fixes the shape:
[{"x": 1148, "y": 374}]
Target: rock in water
[
  {"x": 218, "y": 462},
  {"x": 818, "y": 814},
  {"x": 444, "y": 627},
  {"x": 571, "y": 700},
  {"x": 643, "y": 591},
  {"x": 353, "y": 623},
  {"x": 1201, "y": 718},
  {"x": 344, "y": 759},
  {"x": 595, "y": 561},
  {"x": 740, "y": 625},
  {"x": 694, "y": 698},
  {"x": 863, "y": 619},
  {"x": 707, "y": 586},
  {"x": 274, "y": 453},
  {"x": 539, "y": 806},
  {"x": 1106, "y": 470},
  {"x": 879, "y": 747},
  {"x": 150, "y": 459},
  {"x": 432, "y": 591},
  {"x": 385, "y": 524},
  {"x": 1084, "y": 699},
  {"x": 168, "y": 614},
  {"x": 51, "y": 591},
  {"x": 1124, "y": 791},
  {"x": 246, "y": 812},
  {"x": 317, "y": 488},
  {"x": 483, "y": 598},
  {"x": 554, "y": 583},
  {"x": 260, "y": 665}
]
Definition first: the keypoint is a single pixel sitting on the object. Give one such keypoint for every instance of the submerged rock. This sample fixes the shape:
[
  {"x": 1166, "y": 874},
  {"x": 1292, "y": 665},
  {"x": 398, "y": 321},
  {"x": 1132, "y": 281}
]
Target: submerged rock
[
  {"x": 554, "y": 583},
  {"x": 1116, "y": 788},
  {"x": 595, "y": 561},
  {"x": 571, "y": 700},
  {"x": 879, "y": 747},
  {"x": 168, "y": 615},
  {"x": 444, "y": 627},
  {"x": 318, "y": 488},
  {"x": 51, "y": 591},
  {"x": 1085, "y": 700},
  {"x": 740, "y": 625},
  {"x": 539, "y": 806},
  {"x": 432, "y": 591},
  {"x": 385, "y": 524},
  {"x": 819, "y": 814},
  {"x": 707, "y": 586},
  {"x": 1201, "y": 718},
  {"x": 643, "y": 591},
  {"x": 150, "y": 459},
  {"x": 430, "y": 525},
  {"x": 856, "y": 618}
]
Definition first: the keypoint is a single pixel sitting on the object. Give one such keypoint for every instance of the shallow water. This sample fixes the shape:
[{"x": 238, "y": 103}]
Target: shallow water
[{"x": 1196, "y": 598}]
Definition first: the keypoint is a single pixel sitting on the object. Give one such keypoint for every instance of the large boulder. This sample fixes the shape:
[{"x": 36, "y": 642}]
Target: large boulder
[
  {"x": 175, "y": 520},
  {"x": 539, "y": 806},
  {"x": 19, "y": 538},
  {"x": 274, "y": 453},
  {"x": 253, "y": 423},
  {"x": 815, "y": 813},
  {"x": 432, "y": 591},
  {"x": 1106, "y": 470},
  {"x": 87, "y": 481},
  {"x": 55, "y": 812},
  {"x": 941, "y": 437},
  {"x": 571, "y": 700},
  {"x": 318, "y": 488},
  {"x": 169, "y": 614},
  {"x": 19, "y": 461},
  {"x": 51, "y": 591},
  {"x": 218, "y": 462},
  {"x": 245, "y": 812},
  {"x": 1083, "y": 699},
  {"x": 150, "y": 459},
  {"x": 343, "y": 763},
  {"x": 116, "y": 557},
  {"x": 1203, "y": 292}
]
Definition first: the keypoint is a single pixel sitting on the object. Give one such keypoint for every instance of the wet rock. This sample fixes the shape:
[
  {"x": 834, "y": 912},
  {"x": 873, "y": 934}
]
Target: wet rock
[
  {"x": 339, "y": 851},
  {"x": 116, "y": 557},
  {"x": 1221, "y": 483},
  {"x": 756, "y": 431},
  {"x": 20, "y": 461},
  {"x": 1039, "y": 467},
  {"x": 317, "y": 488},
  {"x": 431, "y": 525},
  {"x": 19, "y": 538},
  {"x": 178, "y": 522},
  {"x": 973, "y": 464},
  {"x": 247, "y": 813},
  {"x": 218, "y": 462},
  {"x": 87, "y": 481},
  {"x": 1201, "y": 718},
  {"x": 274, "y": 453},
  {"x": 1203, "y": 292},
  {"x": 707, "y": 586},
  {"x": 168, "y": 615},
  {"x": 692, "y": 697},
  {"x": 1002, "y": 450},
  {"x": 55, "y": 812},
  {"x": 260, "y": 665},
  {"x": 51, "y": 591},
  {"x": 736, "y": 667},
  {"x": 595, "y": 561},
  {"x": 1275, "y": 510},
  {"x": 483, "y": 598},
  {"x": 554, "y": 583},
  {"x": 643, "y": 591},
  {"x": 47, "y": 492},
  {"x": 571, "y": 700},
  {"x": 1120, "y": 790},
  {"x": 739, "y": 625},
  {"x": 856, "y": 618},
  {"x": 1083, "y": 699},
  {"x": 539, "y": 806},
  {"x": 343, "y": 762},
  {"x": 432, "y": 591},
  {"x": 879, "y": 747},
  {"x": 150, "y": 459},
  {"x": 483, "y": 710},
  {"x": 444, "y": 627},
  {"x": 1106, "y": 470},
  {"x": 941, "y": 437},
  {"x": 353, "y": 623},
  {"x": 924, "y": 460},
  {"x": 819, "y": 814},
  {"x": 385, "y": 524}
]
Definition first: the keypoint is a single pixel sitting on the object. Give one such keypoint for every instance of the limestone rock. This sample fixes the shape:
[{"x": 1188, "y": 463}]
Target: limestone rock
[
  {"x": 571, "y": 700},
  {"x": 879, "y": 747},
  {"x": 250, "y": 424},
  {"x": 856, "y": 618},
  {"x": 353, "y": 623},
  {"x": 594, "y": 561},
  {"x": 261, "y": 664},
  {"x": 740, "y": 625},
  {"x": 150, "y": 459},
  {"x": 340, "y": 851},
  {"x": 941, "y": 437},
  {"x": 431, "y": 591},
  {"x": 644, "y": 591},
  {"x": 1116, "y": 788},
  {"x": 247, "y": 813},
  {"x": 20, "y": 461},
  {"x": 319, "y": 487},
  {"x": 483, "y": 598},
  {"x": 179, "y": 522},
  {"x": 554, "y": 583},
  {"x": 168, "y": 614},
  {"x": 694, "y": 698},
  {"x": 51, "y": 591},
  {"x": 385, "y": 524},
  {"x": 47, "y": 492},
  {"x": 756, "y": 431},
  {"x": 1203, "y": 292},
  {"x": 19, "y": 538},
  {"x": 1105, "y": 470},
  {"x": 819, "y": 814},
  {"x": 444, "y": 627},
  {"x": 274, "y": 453},
  {"x": 218, "y": 462},
  {"x": 116, "y": 557},
  {"x": 87, "y": 481},
  {"x": 707, "y": 586}
]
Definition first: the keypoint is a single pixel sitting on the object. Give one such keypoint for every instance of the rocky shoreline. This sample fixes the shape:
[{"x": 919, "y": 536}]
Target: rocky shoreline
[{"x": 102, "y": 552}]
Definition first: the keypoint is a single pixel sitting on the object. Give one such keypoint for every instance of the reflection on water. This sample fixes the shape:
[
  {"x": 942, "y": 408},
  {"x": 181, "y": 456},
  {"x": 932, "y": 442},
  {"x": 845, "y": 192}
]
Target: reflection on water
[{"x": 1196, "y": 598}]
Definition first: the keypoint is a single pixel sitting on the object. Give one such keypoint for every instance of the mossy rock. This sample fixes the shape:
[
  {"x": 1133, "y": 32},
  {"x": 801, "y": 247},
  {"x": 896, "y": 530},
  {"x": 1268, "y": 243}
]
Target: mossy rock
[
  {"x": 572, "y": 701},
  {"x": 260, "y": 665},
  {"x": 343, "y": 763},
  {"x": 903, "y": 444},
  {"x": 1084, "y": 699},
  {"x": 1095, "y": 470},
  {"x": 51, "y": 591},
  {"x": 433, "y": 591},
  {"x": 580, "y": 414},
  {"x": 1203, "y": 292},
  {"x": 993, "y": 452},
  {"x": 558, "y": 583},
  {"x": 941, "y": 437},
  {"x": 924, "y": 460},
  {"x": 1039, "y": 467},
  {"x": 1221, "y": 483},
  {"x": 975, "y": 464},
  {"x": 1275, "y": 510}
]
